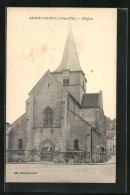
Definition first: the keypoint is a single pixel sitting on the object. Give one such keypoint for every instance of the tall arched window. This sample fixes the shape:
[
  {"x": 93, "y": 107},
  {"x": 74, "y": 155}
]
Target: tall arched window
[
  {"x": 48, "y": 117},
  {"x": 76, "y": 144},
  {"x": 20, "y": 144}
]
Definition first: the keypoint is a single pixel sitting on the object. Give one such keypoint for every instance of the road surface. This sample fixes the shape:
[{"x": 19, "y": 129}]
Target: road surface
[{"x": 86, "y": 173}]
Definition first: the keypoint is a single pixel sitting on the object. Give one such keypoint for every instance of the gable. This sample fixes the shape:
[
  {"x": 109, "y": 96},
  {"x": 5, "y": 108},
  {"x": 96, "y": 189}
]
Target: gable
[{"x": 47, "y": 84}]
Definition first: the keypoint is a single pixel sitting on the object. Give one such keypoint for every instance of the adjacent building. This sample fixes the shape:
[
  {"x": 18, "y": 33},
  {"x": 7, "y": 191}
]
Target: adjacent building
[{"x": 110, "y": 136}]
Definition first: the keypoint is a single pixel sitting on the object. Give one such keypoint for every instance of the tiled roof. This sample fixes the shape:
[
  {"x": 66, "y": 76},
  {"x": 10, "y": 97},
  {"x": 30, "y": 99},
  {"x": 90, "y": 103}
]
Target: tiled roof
[{"x": 90, "y": 100}]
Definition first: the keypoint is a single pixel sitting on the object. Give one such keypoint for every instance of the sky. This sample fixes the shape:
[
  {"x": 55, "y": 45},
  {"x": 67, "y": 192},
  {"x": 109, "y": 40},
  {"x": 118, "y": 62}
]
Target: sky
[{"x": 36, "y": 45}]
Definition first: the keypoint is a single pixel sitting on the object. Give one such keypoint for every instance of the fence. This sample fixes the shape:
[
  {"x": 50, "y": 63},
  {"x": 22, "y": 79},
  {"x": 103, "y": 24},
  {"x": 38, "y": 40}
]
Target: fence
[
  {"x": 98, "y": 157},
  {"x": 58, "y": 157},
  {"x": 15, "y": 155}
]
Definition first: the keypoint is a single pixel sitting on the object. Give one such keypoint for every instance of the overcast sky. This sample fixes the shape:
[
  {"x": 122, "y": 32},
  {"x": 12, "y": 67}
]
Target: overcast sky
[{"x": 36, "y": 45}]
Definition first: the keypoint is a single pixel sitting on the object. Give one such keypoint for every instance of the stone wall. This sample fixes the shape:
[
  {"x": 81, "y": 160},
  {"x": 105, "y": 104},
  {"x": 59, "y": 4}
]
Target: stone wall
[
  {"x": 97, "y": 154},
  {"x": 89, "y": 115},
  {"x": 48, "y": 93},
  {"x": 17, "y": 132},
  {"x": 101, "y": 125},
  {"x": 75, "y": 87},
  {"x": 51, "y": 134},
  {"x": 95, "y": 117},
  {"x": 40, "y": 103},
  {"x": 74, "y": 106},
  {"x": 101, "y": 122},
  {"x": 78, "y": 129},
  {"x": 95, "y": 141}
]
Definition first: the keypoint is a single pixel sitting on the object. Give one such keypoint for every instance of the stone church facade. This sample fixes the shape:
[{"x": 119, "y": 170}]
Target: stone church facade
[{"x": 62, "y": 122}]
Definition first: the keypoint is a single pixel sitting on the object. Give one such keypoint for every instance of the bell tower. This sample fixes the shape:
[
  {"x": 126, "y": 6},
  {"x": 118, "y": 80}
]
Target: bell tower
[{"x": 69, "y": 72}]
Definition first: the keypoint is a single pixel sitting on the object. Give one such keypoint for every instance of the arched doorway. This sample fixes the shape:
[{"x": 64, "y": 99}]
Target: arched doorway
[{"x": 46, "y": 151}]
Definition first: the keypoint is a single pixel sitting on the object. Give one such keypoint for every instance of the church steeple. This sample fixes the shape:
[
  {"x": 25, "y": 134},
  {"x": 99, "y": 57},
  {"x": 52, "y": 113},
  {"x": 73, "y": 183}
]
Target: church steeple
[
  {"x": 69, "y": 72},
  {"x": 70, "y": 58}
]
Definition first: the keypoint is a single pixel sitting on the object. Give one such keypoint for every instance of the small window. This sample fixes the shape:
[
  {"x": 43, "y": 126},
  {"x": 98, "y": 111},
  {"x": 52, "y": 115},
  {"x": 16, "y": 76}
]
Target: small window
[
  {"x": 20, "y": 144},
  {"x": 65, "y": 81},
  {"x": 76, "y": 144}
]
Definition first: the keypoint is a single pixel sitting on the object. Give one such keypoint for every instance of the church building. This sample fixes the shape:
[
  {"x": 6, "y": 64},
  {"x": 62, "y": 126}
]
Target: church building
[{"x": 62, "y": 122}]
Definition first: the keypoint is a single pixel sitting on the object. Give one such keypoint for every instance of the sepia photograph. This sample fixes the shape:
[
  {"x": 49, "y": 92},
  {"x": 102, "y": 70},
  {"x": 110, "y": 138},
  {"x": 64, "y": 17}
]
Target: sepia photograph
[{"x": 61, "y": 67}]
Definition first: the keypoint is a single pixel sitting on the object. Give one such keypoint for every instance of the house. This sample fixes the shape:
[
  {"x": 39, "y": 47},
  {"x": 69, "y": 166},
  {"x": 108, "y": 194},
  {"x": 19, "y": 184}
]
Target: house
[{"x": 110, "y": 136}]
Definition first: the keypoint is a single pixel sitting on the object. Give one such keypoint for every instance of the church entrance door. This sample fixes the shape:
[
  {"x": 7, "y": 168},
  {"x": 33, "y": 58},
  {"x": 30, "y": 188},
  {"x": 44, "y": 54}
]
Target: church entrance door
[{"x": 46, "y": 151}]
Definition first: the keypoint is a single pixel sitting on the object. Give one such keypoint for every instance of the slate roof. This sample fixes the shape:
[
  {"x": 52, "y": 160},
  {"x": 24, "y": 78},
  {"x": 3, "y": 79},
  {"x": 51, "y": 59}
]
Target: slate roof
[
  {"x": 70, "y": 58},
  {"x": 90, "y": 100}
]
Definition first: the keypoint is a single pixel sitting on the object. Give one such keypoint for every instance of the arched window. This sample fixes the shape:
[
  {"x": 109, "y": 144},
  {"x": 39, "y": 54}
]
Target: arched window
[
  {"x": 48, "y": 117},
  {"x": 20, "y": 144},
  {"x": 76, "y": 144}
]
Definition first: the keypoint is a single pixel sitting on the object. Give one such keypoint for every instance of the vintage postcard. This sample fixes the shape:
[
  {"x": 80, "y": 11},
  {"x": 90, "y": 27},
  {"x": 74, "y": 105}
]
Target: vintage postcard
[{"x": 61, "y": 95}]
